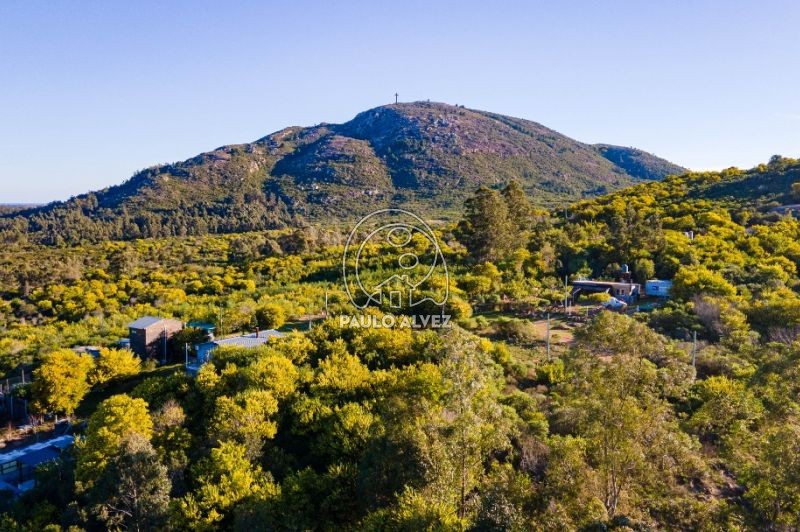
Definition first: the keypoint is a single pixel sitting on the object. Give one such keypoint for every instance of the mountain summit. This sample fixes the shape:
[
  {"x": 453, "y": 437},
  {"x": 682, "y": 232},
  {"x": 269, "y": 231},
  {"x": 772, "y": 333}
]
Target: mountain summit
[{"x": 424, "y": 156}]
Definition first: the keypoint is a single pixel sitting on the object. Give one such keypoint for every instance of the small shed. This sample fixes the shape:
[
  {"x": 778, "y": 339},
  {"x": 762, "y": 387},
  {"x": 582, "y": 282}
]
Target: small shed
[{"x": 657, "y": 288}]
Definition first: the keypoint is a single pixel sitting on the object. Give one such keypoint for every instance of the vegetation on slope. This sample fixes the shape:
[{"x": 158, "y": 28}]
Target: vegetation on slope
[
  {"x": 427, "y": 156},
  {"x": 375, "y": 429}
]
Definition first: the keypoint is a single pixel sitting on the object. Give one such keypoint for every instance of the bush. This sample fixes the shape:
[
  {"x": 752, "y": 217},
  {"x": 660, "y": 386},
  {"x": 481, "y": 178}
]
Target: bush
[
  {"x": 517, "y": 331},
  {"x": 270, "y": 316},
  {"x": 550, "y": 372},
  {"x": 598, "y": 297},
  {"x": 114, "y": 364}
]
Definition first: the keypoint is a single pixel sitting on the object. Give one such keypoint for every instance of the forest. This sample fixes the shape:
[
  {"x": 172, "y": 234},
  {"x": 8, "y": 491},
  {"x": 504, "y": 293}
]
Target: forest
[{"x": 677, "y": 414}]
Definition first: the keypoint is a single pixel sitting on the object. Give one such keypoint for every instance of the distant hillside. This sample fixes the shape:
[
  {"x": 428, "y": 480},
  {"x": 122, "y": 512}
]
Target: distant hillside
[
  {"x": 7, "y": 208},
  {"x": 424, "y": 156},
  {"x": 638, "y": 163},
  {"x": 765, "y": 192}
]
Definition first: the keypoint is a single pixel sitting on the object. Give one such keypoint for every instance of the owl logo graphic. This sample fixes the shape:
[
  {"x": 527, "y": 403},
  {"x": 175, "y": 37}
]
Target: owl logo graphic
[{"x": 399, "y": 242}]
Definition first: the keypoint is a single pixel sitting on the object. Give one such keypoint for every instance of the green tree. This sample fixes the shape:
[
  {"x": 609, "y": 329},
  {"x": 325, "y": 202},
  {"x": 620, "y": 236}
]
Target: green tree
[
  {"x": 245, "y": 418},
  {"x": 61, "y": 381},
  {"x": 727, "y": 407},
  {"x": 114, "y": 364},
  {"x": 772, "y": 478},
  {"x": 115, "y": 419},
  {"x": 222, "y": 480},
  {"x": 644, "y": 269},
  {"x": 270, "y": 316},
  {"x": 796, "y": 191},
  {"x": 132, "y": 492},
  {"x": 486, "y": 229},
  {"x": 696, "y": 280},
  {"x": 520, "y": 214}
]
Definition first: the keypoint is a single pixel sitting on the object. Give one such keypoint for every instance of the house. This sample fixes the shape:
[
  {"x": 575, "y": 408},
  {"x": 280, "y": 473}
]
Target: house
[
  {"x": 624, "y": 291},
  {"x": 17, "y": 467},
  {"x": 657, "y": 288},
  {"x": 251, "y": 340},
  {"x": 149, "y": 335}
]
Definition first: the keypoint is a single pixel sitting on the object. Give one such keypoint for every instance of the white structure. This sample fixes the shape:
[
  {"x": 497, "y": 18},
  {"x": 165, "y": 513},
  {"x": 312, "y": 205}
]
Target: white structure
[{"x": 657, "y": 288}]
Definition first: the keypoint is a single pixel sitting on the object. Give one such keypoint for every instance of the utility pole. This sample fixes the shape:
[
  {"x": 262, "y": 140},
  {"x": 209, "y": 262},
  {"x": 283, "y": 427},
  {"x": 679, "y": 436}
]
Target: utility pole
[{"x": 548, "y": 337}]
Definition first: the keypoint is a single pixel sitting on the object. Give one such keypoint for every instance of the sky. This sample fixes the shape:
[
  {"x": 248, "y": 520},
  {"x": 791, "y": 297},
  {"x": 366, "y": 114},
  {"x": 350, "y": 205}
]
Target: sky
[{"x": 91, "y": 92}]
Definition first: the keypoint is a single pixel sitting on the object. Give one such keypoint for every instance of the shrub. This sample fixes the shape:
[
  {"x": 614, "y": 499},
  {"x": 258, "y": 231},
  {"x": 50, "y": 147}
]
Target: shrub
[
  {"x": 270, "y": 316},
  {"x": 517, "y": 331},
  {"x": 598, "y": 297}
]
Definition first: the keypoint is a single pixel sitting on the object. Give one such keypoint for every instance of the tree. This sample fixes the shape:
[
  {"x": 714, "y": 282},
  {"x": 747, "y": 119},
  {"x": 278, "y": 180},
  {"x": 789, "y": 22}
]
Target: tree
[
  {"x": 796, "y": 191},
  {"x": 270, "y": 316},
  {"x": 772, "y": 480},
  {"x": 223, "y": 479},
  {"x": 486, "y": 230},
  {"x": 727, "y": 407},
  {"x": 469, "y": 427},
  {"x": 133, "y": 490},
  {"x": 520, "y": 213},
  {"x": 61, "y": 382},
  {"x": 245, "y": 418},
  {"x": 172, "y": 441},
  {"x": 696, "y": 280},
  {"x": 114, "y": 364},
  {"x": 644, "y": 269},
  {"x": 115, "y": 419}
]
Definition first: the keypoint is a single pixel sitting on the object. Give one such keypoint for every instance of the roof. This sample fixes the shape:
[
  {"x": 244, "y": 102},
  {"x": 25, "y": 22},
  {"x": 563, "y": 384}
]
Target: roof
[
  {"x": 21, "y": 454},
  {"x": 247, "y": 340},
  {"x": 146, "y": 321},
  {"x": 39, "y": 456},
  {"x": 587, "y": 283}
]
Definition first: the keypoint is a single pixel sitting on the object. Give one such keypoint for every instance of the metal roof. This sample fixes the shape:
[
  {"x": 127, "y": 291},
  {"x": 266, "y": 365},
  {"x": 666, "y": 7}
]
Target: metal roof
[
  {"x": 39, "y": 456},
  {"x": 247, "y": 340},
  {"x": 59, "y": 442},
  {"x": 597, "y": 284},
  {"x": 144, "y": 322}
]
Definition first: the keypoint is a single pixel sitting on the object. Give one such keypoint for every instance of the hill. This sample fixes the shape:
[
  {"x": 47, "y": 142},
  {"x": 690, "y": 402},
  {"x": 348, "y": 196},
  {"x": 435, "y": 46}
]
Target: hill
[
  {"x": 766, "y": 189},
  {"x": 424, "y": 156}
]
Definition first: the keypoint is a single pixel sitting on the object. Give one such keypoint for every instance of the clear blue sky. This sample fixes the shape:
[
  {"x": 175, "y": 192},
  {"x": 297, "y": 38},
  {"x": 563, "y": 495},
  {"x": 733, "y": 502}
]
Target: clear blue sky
[{"x": 92, "y": 91}]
